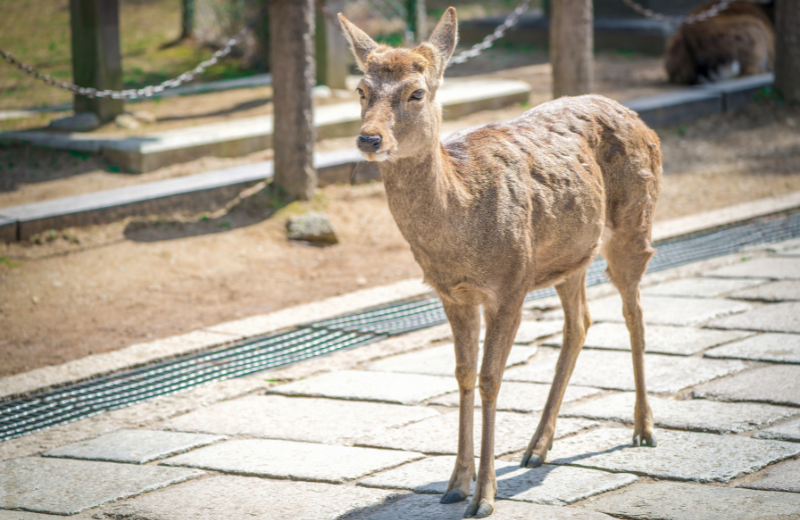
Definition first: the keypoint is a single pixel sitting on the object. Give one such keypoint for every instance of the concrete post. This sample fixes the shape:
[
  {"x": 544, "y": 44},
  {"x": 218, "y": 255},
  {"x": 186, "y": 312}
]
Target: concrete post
[
  {"x": 787, "y": 49},
  {"x": 331, "y": 47},
  {"x": 571, "y": 45}
]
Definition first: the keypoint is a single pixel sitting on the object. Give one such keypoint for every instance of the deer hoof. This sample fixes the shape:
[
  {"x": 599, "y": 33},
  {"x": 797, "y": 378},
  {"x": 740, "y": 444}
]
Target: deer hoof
[
  {"x": 531, "y": 461},
  {"x": 453, "y": 496},
  {"x": 644, "y": 439},
  {"x": 480, "y": 509}
]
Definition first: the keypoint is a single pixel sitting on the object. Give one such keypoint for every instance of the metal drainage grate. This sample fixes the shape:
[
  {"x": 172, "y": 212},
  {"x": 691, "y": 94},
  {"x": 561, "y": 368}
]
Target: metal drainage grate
[{"x": 71, "y": 403}]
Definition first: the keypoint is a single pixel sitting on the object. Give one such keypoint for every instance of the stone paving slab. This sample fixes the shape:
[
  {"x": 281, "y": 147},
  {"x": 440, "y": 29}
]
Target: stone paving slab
[
  {"x": 547, "y": 485},
  {"x": 529, "y": 331},
  {"x": 662, "y": 310},
  {"x": 793, "y": 244},
  {"x": 680, "y": 501},
  {"x": 235, "y": 498},
  {"x": 292, "y": 460},
  {"x": 134, "y": 446},
  {"x": 311, "y": 420},
  {"x": 428, "y": 507},
  {"x": 784, "y": 290},
  {"x": 693, "y": 414},
  {"x": 701, "y": 287},
  {"x": 783, "y": 477},
  {"x": 439, "y": 435},
  {"x": 788, "y": 431},
  {"x": 371, "y": 386},
  {"x": 663, "y": 339},
  {"x": 440, "y": 361},
  {"x": 769, "y": 267},
  {"x": 520, "y": 397},
  {"x": 779, "y": 384},
  {"x": 699, "y": 457},
  {"x": 778, "y": 317},
  {"x": 614, "y": 370},
  {"x": 782, "y": 348},
  {"x": 66, "y": 487}
]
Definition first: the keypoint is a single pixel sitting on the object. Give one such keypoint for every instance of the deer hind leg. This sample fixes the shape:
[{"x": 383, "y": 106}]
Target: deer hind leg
[
  {"x": 465, "y": 321},
  {"x": 572, "y": 293},
  {"x": 627, "y": 255}
]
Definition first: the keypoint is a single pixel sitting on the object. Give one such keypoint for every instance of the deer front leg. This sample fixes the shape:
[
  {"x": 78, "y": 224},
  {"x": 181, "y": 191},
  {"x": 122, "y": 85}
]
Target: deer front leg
[
  {"x": 501, "y": 328},
  {"x": 572, "y": 293},
  {"x": 465, "y": 322}
]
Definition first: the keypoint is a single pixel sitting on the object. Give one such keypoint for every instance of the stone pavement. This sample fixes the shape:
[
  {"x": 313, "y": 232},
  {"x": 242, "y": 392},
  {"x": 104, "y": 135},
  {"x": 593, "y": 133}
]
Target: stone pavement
[{"x": 370, "y": 434}]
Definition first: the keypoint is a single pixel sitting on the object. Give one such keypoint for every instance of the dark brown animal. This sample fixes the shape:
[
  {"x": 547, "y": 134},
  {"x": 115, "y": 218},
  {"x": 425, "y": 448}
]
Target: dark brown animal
[
  {"x": 496, "y": 212},
  {"x": 739, "y": 41}
]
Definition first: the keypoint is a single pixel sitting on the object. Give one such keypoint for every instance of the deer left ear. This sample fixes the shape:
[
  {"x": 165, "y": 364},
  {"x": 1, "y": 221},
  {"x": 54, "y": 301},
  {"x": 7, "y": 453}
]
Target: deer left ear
[{"x": 443, "y": 39}]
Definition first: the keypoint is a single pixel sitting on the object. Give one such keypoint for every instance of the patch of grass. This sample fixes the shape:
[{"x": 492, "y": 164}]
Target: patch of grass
[{"x": 11, "y": 264}]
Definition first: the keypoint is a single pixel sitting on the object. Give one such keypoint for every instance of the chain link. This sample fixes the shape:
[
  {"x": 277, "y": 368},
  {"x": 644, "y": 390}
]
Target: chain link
[
  {"x": 712, "y": 11},
  {"x": 498, "y": 33}
]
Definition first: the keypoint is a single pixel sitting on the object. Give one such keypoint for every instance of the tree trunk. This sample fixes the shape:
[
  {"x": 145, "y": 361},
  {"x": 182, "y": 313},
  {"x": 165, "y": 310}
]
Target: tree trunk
[
  {"x": 571, "y": 44},
  {"x": 787, "y": 49},
  {"x": 187, "y": 20},
  {"x": 331, "y": 46},
  {"x": 292, "y": 65}
]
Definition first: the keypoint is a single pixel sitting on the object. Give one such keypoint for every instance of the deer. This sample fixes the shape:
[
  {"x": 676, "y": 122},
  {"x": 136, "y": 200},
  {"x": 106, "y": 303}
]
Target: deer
[{"x": 498, "y": 211}]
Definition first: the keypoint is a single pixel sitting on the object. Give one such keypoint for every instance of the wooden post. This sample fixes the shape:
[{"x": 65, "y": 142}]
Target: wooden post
[
  {"x": 96, "y": 60},
  {"x": 571, "y": 45},
  {"x": 787, "y": 49},
  {"x": 331, "y": 46},
  {"x": 187, "y": 19},
  {"x": 292, "y": 64}
]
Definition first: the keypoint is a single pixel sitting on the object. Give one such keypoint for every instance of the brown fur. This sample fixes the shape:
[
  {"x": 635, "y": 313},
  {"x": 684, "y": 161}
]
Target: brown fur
[
  {"x": 706, "y": 51},
  {"x": 504, "y": 209}
]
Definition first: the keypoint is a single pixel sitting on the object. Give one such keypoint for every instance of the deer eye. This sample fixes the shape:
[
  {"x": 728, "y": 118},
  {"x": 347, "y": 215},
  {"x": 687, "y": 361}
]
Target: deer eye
[
  {"x": 418, "y": 94},
  {"x": 360, "y": 93}
]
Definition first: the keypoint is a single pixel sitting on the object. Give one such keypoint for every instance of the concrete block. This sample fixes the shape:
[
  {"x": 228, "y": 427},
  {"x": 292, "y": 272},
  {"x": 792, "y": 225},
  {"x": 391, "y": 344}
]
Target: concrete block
[
  {"x": 661, "y": 339},
  {"x": 310, "y": 420},
  {"x": 785, "y": 290},
  {"x": 548, "y": 485},
  {"x": 134, "y": 446},
  {"x": 67, "y": 487},
  {"x": 774, "y": 267},
  {"x": 699, "y": 457},
  {"x": 614, "y": 370},
  {"x": 781, "y": 348},
  {"x": 292, "y": 460},
  {"x": 520, "y": 397},
  {"x": 674, "y": 108},
  {"x": 693, "y": 414},
  {"x": 777, "y": 317},
  {"x": 788, "y": 431},
  {"x": 371, "y": 386},
  {"x": 679, "y": 501},
  {"x": 701, "y": 287},
  {"x": 782, "y": 477},
  {"x": 439, "y": 435},
  {"x": 8, "y": 229},
  {"x": 777, "y": 384},
  {"x": 440, "y": 360},
  {"x": 234, "y": 498}
]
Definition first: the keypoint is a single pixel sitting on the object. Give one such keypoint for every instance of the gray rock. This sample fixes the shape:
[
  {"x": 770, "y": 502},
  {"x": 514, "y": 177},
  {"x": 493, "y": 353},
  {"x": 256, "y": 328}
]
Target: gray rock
[
  {"x": 700, "y": 457},
  {"x": 778, "y": 317},
  {"x": 700, "y": 287},
  {"x": 144, "y": 116},
  {"x": 784, "y": 290},
  {"x": 774, "y": 384},
  {"x": 311, "y": 227},
  {"x": 80, "y": 122},
  {"x": 440, "y": 360},
  {"x": 788, "y": 431},
  {"x": 693, "y": 414},
  {"x": 234, "y": 498},
  {"x": 614, "y": 370},
  {"x": 293, "y": 460},
  {"x": 679, "y": 501},
  {"x": 67, "y": 487},
  {"x": 428, "y": 507},
  {"x": 371, "y": 386},
  {"x": 662, "y": 310},
  {"x": 547, "y": 485},
  {"x": 663, "y": 339},
  {"x": 520, "y": 397},
  {"x": 311, "y": 420},
  {"x": 783, "y": 348},
  {"x": 134, "y": 446},
  {"x": 782, "y": 477},
  {"x": 439, "y": 435},
  {"x": 770, "y": 267},
  {"x": 127, "y": 121}
]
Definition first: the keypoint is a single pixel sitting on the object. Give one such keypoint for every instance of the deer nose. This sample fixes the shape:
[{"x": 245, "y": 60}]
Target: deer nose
[{"x": 366, "y": 140}]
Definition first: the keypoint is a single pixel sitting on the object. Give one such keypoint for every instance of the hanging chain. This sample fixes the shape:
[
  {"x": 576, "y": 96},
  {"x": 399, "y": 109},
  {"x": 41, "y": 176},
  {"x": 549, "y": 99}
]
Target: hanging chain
[
  {"x": 712, "y": 11},
  {"x": 498, "y": 33}
]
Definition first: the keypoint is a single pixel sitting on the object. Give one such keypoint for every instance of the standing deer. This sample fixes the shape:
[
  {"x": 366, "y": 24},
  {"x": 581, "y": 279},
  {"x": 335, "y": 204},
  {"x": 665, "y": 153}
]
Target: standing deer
[{"x": 502, "y": 210}]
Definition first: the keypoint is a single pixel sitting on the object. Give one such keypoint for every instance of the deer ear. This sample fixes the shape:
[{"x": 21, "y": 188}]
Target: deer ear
[
  {"x": 444, "y": 37},
  {"x": 361, "y": 44}
]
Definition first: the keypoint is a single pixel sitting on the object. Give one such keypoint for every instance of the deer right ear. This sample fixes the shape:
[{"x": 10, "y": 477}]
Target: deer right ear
[{"x": 361, "y": 44}]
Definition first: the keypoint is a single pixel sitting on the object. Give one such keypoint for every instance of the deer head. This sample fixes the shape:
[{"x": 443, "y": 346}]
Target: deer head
[{"x": 399, "y": 113}]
